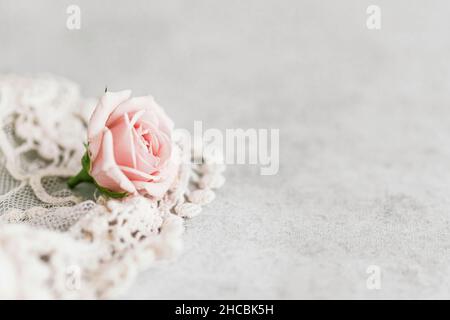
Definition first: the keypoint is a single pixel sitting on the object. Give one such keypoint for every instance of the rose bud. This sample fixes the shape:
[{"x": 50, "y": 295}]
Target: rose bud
[{"x": 130, "y": 148}]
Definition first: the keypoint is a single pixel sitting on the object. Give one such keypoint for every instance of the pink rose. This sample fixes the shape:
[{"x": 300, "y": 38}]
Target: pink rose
[{"x": 130, "y": 145}]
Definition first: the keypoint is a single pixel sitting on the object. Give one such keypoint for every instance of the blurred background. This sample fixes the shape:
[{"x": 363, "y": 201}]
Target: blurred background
[{"x": 364, "y": 129}]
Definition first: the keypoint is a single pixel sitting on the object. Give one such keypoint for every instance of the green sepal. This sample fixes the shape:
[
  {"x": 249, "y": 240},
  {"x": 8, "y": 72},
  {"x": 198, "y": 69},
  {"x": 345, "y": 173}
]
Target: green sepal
[
  {"x": 84, "y": 176},
  {"x": 109, "y": 193}
]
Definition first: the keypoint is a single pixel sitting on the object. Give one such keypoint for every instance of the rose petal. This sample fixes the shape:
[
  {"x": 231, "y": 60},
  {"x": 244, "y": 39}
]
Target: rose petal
[
  {"x": 105, "y": 106},
  {"x": 165, "y": 123},
  {"x": 160, "y": 142},
  {"x": 130, "y": 106},
  {"x": 157, "y": 189},
  {"x": 124, "y": 144},
  {"x": 105, "y": 170},
  {"x": 136, "y": 116},
  {"x": 145, "y": 160},
  {"x": 155, "y": 114},
  {"x": 136, "y": 175},
  {"x": 165, "y": 147}
]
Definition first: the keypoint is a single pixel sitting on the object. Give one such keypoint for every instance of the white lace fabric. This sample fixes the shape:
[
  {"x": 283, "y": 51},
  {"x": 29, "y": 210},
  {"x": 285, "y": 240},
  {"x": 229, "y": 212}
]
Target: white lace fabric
[{"x": 56, "y": 244}]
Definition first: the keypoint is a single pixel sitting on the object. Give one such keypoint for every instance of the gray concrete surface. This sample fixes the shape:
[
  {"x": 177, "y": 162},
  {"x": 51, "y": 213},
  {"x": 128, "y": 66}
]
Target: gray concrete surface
[{"x": 365, "y": 131}]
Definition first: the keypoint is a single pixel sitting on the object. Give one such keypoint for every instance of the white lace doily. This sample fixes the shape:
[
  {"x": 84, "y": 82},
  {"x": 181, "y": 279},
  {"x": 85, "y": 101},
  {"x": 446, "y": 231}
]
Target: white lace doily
[{"x": 55, "y": 243}]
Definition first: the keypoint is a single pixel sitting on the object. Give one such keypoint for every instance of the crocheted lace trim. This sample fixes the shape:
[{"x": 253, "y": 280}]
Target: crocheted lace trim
[{"x": 55, "y": 243}]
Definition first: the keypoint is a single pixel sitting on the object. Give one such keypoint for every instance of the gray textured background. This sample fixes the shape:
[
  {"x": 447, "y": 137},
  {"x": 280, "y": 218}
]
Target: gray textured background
[{"x": 365, "y": 131}]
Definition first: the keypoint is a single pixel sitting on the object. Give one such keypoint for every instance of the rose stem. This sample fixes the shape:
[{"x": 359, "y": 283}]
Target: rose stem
[{"x": 82, "y": 176}]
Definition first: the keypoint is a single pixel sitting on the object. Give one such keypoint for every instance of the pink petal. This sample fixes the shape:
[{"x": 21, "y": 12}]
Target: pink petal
[
  {"x": 124, "y": 144},
  {"x": 145, "y": 161},
  {"x": 136, "y": 116},
  {"x": 160, "y": 141},
  {"x": 105, "y": 170},
  {"x": 165, "y": 123},
  {"x": 167, "y": 176},
  {"x": 135, "y": 175},
  {"x": 155, "y": 114},
  {"x": 107, "y": 103},
  {"x": 165, "y": 147},
  {"x": 130, "y": 106}
]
